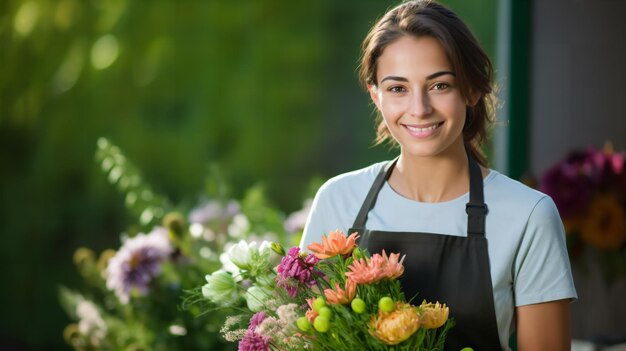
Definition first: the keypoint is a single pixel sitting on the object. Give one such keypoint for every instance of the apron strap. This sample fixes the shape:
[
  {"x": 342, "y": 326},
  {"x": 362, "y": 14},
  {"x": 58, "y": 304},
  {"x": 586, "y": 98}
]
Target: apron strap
[
  {"x": 370, "y": 199},
  {"x": 476, "y": 208}
]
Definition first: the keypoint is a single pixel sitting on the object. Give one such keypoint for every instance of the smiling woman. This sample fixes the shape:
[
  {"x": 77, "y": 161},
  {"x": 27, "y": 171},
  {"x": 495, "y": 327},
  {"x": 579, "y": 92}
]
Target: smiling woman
[
  {"x": 416, "y": 79},
  {"x": 490, "y": 247}
]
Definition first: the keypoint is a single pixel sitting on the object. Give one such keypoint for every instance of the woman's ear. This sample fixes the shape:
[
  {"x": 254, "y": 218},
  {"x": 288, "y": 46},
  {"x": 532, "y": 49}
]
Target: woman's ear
[{"x": 373, "y": 90}]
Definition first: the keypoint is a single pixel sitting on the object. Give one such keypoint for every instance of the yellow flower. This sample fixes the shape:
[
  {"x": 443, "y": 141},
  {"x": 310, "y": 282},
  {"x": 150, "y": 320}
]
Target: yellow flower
[
  {"x": 605, "y": 225},
  {"x": 395, "y": 327},
  {"x": 433, "y": 315},
  {"x": 336, "y": 243}
]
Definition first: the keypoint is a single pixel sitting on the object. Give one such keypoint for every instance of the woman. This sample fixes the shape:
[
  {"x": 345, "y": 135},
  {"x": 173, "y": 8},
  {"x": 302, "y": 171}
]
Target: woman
[{"x": 490, "y": 247}]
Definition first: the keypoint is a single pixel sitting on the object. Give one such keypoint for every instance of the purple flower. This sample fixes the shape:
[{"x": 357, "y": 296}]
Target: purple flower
[
  {"x": 572, "y": 182},
  {"x": 607, "y": 165},
  {"x": 137, "y": 262},
  {"x": 569, "y": 184},
  {"x": 212, "y": 210},
  {"x": 295, "y": 222},
  {"x": 295, "y": 270},
  {"x": 254, "y": 341},
  {"x": 256, "y": 319}
]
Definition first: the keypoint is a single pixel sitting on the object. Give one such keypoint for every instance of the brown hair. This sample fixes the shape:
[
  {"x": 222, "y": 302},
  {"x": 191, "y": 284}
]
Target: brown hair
[{"x": 472, "y": 66}]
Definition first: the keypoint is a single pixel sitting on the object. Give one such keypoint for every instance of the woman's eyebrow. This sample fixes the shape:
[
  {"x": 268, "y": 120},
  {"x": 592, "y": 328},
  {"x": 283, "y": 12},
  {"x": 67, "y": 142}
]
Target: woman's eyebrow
[
  {"x": 429, "y": 77},
  {"x": 439, "y": 74},
  {"x": 401, "y": 79}
]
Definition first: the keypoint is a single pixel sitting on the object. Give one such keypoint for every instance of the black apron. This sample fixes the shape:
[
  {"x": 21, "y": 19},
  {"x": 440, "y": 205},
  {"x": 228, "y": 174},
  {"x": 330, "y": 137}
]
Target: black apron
[{"x": 446, "y": 268}]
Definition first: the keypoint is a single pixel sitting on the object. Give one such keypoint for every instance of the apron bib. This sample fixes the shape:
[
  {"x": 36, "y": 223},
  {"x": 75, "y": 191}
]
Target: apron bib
[{"x": 446, "y": 268}]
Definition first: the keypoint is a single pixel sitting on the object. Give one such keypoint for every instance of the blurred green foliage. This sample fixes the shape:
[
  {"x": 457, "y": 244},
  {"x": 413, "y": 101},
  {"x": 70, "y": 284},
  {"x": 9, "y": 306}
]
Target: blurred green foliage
[{"x": 266, "y": 90}]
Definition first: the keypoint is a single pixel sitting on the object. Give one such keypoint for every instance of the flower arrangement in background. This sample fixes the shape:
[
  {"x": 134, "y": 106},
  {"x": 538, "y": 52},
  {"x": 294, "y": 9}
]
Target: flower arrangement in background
[
  {"x": 589, "y": 189},
  {"x": 336, "y": 298},
  {"x": 131, "y": 297}
]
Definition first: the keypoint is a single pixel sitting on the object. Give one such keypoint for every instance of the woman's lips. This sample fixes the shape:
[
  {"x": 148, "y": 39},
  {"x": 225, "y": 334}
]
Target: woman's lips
[{"x": 424, "y": 130}]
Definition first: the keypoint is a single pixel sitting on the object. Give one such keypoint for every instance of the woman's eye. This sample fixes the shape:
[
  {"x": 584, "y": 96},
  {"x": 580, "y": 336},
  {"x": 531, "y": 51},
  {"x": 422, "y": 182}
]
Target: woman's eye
[
  {"x": 440, "y": 86},
  {"x": 397, "y": 89}
]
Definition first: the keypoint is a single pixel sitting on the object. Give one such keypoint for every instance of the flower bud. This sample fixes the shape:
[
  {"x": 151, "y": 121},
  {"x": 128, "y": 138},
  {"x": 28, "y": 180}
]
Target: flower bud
[
  {"x": 175, "y": 222},
  {"x": 278, "y": 248}
]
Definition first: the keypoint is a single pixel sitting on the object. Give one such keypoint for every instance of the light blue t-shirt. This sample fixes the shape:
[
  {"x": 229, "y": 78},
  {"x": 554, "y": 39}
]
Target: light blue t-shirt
[{"x": 526, "y": 241}]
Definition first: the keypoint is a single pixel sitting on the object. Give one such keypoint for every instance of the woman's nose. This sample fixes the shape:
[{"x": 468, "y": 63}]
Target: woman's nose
[{"x": 420, "y": 105}]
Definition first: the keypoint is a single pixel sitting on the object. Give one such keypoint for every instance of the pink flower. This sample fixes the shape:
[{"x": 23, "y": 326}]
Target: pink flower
[
  {"x": 371, "y": 270},
  {"x": 254, "y": 341},
  {"x": 296, "y": 269}
]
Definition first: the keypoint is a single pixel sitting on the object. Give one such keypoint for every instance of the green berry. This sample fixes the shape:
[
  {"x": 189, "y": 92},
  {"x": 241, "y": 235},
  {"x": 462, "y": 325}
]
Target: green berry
[
  {"x": 318, "y": 303},
  {"x": 321, "y": 324},
  {"x": 386, "y": 304},
  {"x": 358, "y": 305},
  {"x": 467, "y": 349},
  {"x": 303, "y": 324},
  {"x": 325, "y": 312}
]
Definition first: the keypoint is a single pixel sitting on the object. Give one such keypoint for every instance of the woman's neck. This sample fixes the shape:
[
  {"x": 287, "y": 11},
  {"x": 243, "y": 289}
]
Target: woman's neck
[{"x": 431, "y": 179}]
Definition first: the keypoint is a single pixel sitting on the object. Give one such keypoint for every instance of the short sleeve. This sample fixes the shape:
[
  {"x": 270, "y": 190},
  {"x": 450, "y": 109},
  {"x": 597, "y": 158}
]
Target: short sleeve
[
  {"x": 323, "y": 217},
  {"x": 541, "y": 270}
]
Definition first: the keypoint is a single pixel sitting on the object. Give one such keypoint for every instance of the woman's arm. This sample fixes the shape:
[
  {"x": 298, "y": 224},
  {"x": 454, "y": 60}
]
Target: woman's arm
[{"x": 544, "y": 326}]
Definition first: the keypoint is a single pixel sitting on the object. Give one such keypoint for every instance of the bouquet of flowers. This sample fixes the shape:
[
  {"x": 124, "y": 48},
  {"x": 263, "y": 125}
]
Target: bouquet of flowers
[
  {"x": 339, "y": 297},
  {"x": 589, "y": 189},
  {"x": 129, "y": 296}
]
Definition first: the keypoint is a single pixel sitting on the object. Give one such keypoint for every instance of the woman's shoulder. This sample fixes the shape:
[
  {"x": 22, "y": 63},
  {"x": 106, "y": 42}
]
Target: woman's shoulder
[
  {"x": 502, "y": 182},
  {"x": 515, "y": 195},
  {"x": 353, "y": 181}
]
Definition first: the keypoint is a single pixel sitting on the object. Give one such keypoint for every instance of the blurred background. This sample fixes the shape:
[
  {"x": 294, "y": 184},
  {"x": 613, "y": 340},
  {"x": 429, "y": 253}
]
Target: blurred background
[{"x": 266, "y": 92}]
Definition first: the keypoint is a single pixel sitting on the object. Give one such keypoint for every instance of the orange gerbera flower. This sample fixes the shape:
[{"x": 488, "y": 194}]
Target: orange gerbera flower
[
  {"x": 340, "y": 296},
  {"x": 333, "y": 244},
  {"x": 394, "y": 327}
]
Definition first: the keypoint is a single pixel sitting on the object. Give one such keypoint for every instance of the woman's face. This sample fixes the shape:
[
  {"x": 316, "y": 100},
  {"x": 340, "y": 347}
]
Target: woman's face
[{"x": 418, "y": 97}]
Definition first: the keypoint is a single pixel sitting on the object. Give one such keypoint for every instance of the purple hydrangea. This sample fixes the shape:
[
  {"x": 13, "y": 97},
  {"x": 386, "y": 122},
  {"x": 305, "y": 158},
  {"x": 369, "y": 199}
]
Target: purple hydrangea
[
  {"x": 137, "y": 262},
  {"x": 294, "y": 270},
  {"x": 254, "y": 341}
]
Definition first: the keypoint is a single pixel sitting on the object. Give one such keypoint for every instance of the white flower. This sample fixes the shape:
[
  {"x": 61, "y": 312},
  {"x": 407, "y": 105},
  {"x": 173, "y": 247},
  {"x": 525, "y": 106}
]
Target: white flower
[
  {"x": 256, "y": 298},
  {"x": 137, "y": 262},
  {"x": 248, "y": 257},
  {"x": 240, "y": 254},
  {"x": 228, "y": 265},
  {"x": 288, "y": 313},
  {"x": 90, "y": 322},
  {"x": 221, "y": 288}
]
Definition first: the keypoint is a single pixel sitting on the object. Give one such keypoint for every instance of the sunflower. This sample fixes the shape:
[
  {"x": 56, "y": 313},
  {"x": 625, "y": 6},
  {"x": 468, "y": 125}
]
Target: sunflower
[{"x": 604, "y": 227}]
